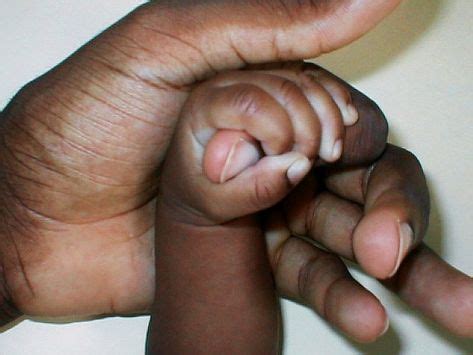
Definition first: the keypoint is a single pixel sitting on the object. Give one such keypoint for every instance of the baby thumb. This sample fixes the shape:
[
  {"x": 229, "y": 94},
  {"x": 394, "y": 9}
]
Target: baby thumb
[
  {"x": 251, "y": 181},
  {"x": 228, "y": 153},
  {"x": 267, "y": 182}
]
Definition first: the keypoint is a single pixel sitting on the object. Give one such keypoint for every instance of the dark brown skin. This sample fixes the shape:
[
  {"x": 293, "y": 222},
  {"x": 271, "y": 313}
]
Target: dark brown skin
[
  {"x": 217, "y": 297},
  {"x": 353, "y": 203},
  {"x": 77, "y": 147}
]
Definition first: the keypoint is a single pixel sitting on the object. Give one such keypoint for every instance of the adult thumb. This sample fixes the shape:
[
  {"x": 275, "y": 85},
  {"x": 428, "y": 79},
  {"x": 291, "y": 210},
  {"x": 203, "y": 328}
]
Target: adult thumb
[{"x": 194, "y": 39}]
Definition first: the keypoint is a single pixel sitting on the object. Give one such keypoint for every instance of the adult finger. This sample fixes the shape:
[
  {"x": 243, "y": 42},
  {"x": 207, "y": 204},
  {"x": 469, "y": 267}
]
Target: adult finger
[
  {"x": 424, "y": 281},
  {"x": 441, "y": 292},
  {"x": 387, "y": 219},
  {"x": 226, "y": 34},
  {"x": 320, "y": 280},
  {"x": 396, "y": 209}
]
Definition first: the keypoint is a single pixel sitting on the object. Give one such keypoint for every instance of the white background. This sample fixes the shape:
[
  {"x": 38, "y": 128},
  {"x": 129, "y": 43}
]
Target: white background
[{"x": 417, "y": 65}]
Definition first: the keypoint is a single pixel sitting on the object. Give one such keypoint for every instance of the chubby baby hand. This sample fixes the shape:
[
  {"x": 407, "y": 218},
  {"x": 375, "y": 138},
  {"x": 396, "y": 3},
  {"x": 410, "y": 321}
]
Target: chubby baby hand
[{"x": 246, "y": 138}]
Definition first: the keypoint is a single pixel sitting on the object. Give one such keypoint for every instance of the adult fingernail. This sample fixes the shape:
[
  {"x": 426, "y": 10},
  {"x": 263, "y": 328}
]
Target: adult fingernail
[
  {"x": 241, "y": 155},
  {"x": 386, "y": 327},
  {"x": 337, "y": 150},
  {"x": 406, "y": 236},
  {"x": 298, "y": 170}
]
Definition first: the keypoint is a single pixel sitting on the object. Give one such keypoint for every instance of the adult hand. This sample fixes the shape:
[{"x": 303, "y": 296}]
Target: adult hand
[
  {"x": 372, "y": 203},
  {"x": 374, "y": 215},
  {"x": 81, "y": 146}
]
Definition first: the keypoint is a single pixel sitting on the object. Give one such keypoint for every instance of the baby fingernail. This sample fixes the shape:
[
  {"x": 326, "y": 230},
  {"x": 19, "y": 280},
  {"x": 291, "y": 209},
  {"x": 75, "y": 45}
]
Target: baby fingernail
[
  {"x": 350, "y": 116},
  {"x": 406, "y": 237},
  {"x": 242, "y": 155},
  {"x": 298, "y": 170},
  {"x": 337, "y": 150}
]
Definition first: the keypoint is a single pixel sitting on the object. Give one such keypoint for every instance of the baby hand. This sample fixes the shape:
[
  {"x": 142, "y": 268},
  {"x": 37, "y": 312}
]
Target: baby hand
[{"x": 246, "y": 138}]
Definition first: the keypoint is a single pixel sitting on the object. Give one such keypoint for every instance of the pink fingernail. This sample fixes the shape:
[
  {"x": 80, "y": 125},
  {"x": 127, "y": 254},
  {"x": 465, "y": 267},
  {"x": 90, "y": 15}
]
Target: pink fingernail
[
  {"x": 298, "y": 170},
  {"x": 352, "y": 115},
  {"x": 242, "y": 155},
  {"x": 406, "y": 237},
  {"x": 337, "y": 150},
  {"x": 386, "y": 327}
]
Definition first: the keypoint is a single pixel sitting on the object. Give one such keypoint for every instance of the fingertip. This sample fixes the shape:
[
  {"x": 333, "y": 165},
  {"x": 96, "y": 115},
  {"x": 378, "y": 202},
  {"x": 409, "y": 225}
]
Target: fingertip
[
  {"x": 228, "y": 153},
  {"x": 298, "y": 170},
  {"x": 340, "y": 93},
  {"x": 380, "y": 243},
  {"x": 386, "y": 326},
  {"x": 270, "y": 180},
  {"x": 350, "y": 116},
  {"x": 337, "y": 150},
  {"x": 356, "y": 312},
  {"x": 365, "y": 141},
  {"x": 329, "y": 114},
  {"x": 242, "y": 155},
  {"x": 330, "y": 154},
  {"x": 406, "y": 237}
]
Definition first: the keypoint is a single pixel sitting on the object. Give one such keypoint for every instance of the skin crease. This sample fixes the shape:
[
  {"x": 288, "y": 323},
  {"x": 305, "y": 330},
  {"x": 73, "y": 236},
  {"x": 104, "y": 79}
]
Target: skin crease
[{"x": 70, "y": 139}]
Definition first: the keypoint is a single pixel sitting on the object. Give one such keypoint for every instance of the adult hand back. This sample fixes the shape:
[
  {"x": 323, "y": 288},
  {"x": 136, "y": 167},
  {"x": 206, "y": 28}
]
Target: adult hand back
[{"x": 82, "y": 145}]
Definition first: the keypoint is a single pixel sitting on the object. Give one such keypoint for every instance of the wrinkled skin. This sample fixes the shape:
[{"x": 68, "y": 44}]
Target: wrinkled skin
[{"x": 81, "y": 148}]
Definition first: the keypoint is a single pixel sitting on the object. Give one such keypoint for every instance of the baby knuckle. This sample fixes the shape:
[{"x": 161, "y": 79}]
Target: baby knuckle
[
  {"x": 311, "y": 144},
  {"x": 247, "y": 100},
  {"x": 290, "y": 93},
  {"x": 328, "y": 262},
  {"x": 265, "y": 192}
]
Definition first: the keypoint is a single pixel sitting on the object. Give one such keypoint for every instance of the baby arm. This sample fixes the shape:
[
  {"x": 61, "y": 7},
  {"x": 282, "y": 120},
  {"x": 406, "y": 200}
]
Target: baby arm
[{"x": 214, "y": 288}]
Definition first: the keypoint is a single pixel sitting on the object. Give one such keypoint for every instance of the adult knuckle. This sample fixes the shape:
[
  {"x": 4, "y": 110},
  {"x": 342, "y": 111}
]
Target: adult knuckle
[
  {"x": 304, "y": 278},
  {"x": 297, "y": 8},
  {"x": 320, "y": 265}
]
